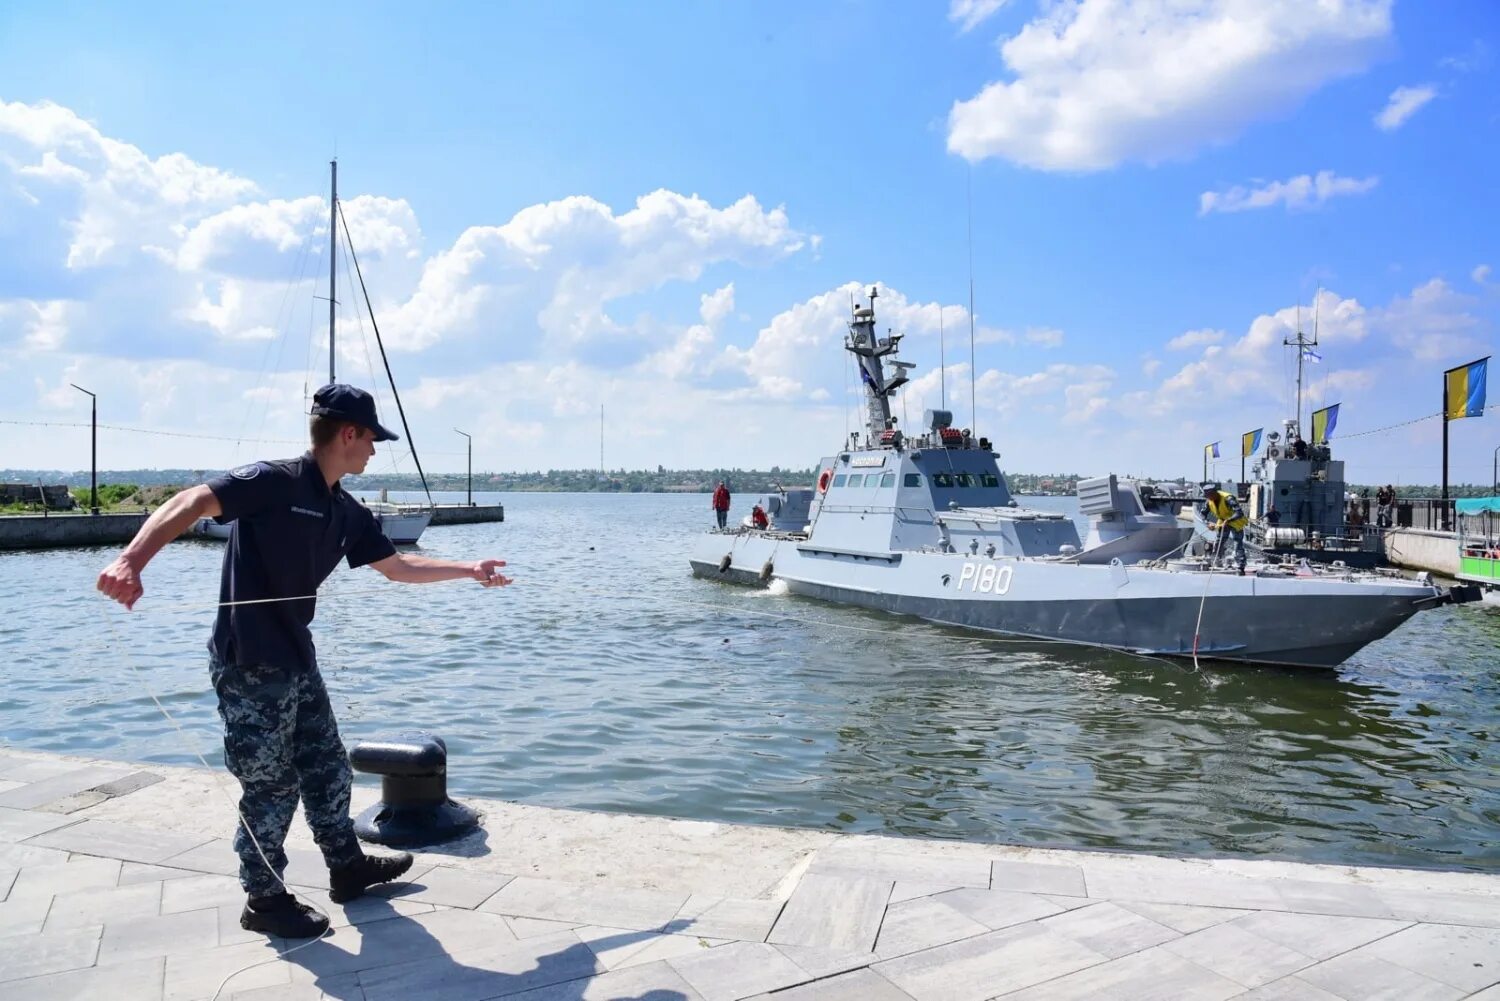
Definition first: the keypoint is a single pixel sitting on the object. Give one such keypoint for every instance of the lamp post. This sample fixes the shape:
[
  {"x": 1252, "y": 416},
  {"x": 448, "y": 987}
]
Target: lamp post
[
  {"x": 93, "y": 449},
  {"x": 1495, "y": 470},
  {"x": 471, "y": 465}
]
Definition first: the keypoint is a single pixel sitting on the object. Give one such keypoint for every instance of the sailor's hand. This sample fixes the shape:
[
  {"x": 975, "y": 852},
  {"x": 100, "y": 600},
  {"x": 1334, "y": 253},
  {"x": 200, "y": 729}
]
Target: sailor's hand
[
  {"x": 487, "y": 573},
  {"x": 121, "y": 581}
]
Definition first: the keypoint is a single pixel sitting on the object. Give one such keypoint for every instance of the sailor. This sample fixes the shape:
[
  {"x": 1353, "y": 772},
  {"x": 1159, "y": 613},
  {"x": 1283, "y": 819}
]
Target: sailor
[
  {"x": 1299, "y": 448},
  {"x": 1224, "y": 515},
  {"x": 1273, "y": 517},
  {"x": 721, "y": 504},
  {"x": 293, "y": 523},
  {"x": 758, "y": 517},
  {"x": 1385, "y": 506}
]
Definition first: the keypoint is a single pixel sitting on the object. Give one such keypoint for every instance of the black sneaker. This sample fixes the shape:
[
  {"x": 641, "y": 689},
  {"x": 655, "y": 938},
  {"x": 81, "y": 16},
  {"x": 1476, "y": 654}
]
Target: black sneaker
[
  {"x": 284, "y": 916},
  {"x": 350, "y": 881}
]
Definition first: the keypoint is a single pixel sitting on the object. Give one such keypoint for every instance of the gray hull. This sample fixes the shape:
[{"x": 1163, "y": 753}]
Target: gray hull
[{"x": 1288, "y": 621}]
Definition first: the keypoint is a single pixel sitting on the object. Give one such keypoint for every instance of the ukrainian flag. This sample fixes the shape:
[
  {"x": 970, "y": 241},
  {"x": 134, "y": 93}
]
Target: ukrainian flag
[
  {"x": 1324, "y": 422},
  {"x": 1211, "y": 451},
  {"x": 1250, "y": 443},
  {"x": 1464, "y": 390}
]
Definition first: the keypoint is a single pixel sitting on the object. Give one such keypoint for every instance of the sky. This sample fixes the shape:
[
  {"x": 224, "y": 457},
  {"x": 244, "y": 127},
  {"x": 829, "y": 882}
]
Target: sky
[{"x": 664, "y": 210}]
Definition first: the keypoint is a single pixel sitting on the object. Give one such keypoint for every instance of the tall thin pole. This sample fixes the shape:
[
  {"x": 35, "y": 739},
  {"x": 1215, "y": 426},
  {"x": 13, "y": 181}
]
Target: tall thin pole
[
  {"x": 973, "y": 375},
  {"x": 333, "y": 253},
  {"x": 470, "y": 496},
  {"x": 1445, "y": 440},
  {"x": 942, "y": 363},
  {"x": 93, "y": 451},
  {"x": 601, "y": 441}
]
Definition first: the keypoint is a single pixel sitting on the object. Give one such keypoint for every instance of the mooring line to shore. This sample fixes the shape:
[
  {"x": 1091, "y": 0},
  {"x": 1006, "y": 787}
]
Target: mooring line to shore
[{"x": 244, "y": 824}]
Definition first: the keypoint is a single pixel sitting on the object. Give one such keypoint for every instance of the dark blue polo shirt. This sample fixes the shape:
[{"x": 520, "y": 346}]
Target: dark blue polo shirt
[{"x": 290, "y": 531}]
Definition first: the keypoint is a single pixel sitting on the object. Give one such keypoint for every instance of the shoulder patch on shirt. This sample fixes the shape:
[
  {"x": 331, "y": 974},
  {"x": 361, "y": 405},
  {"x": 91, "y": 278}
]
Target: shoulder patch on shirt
[{"x": 249, "y": 472}]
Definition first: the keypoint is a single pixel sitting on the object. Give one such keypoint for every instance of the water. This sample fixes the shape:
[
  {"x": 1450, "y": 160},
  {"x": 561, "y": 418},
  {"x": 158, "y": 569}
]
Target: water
[{"x": 603, "y": 680}]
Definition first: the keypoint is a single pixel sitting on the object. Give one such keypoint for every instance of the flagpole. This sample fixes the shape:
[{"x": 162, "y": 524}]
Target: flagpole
[{"x": 1445, "y": 446}]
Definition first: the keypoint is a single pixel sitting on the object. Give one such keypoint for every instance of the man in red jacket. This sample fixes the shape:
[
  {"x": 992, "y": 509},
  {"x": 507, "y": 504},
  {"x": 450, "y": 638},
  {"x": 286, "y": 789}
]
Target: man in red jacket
[{"x": 721, "y": 504}]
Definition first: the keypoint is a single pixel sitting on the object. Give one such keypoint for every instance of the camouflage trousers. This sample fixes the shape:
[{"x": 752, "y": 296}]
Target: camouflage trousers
[{"x": 282, "y": 743}]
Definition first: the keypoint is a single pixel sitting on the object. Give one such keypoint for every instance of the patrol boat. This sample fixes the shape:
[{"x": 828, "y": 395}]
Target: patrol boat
[{"x": 925, "y": 525}]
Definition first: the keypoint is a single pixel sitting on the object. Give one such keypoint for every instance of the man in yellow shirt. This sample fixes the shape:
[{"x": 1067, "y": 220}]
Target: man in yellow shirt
[{"x": 1223, "y": 514}]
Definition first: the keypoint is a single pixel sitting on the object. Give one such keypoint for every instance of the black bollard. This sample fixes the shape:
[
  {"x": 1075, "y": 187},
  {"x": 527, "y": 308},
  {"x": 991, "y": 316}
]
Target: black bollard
[{"x": 414, "y": 807}]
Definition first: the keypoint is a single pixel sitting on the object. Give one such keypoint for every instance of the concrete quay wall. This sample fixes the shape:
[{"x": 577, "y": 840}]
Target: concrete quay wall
[
  {"x": 54, "y": 531},
  {"x": 1419, "y": 549},
  {"x": 462, "y": 514}
]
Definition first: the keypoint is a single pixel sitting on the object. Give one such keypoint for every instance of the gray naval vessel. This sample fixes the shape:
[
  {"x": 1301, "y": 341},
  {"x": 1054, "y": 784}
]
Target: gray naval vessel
[{"x": 925, "y": 525}]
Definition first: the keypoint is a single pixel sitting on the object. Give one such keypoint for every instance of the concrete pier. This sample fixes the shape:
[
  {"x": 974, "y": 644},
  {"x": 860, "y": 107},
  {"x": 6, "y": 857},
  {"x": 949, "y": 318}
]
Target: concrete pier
[
  {"x": 1419, "y": 549},
  {"x": 115, "y": 881}
]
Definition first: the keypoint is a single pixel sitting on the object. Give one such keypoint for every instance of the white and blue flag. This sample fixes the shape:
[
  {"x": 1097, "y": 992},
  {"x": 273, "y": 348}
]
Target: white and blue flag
[{"x": 1308, "y": 354}]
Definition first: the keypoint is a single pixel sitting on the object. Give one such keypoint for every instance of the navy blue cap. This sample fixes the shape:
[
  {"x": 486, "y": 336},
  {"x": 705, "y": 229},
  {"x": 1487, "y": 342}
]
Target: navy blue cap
[{"x": 347, "y": 403}]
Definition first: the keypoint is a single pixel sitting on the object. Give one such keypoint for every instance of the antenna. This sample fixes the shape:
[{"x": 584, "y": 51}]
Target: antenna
[
  {"x": 973, "y": 375},
  {"x": 942, "y": 363}
]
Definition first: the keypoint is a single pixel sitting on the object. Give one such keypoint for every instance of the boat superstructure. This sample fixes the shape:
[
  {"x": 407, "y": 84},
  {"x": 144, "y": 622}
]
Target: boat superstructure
[{"x": 924, "y": 524}]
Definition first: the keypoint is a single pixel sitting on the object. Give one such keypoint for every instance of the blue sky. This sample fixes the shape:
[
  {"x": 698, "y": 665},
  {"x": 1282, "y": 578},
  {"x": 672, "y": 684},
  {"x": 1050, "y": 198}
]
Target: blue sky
[{"x": 663, "y": 207}]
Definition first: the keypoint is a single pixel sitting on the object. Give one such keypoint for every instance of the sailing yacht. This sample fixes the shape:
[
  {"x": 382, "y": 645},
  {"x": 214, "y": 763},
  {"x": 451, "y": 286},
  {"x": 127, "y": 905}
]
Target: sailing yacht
[{"x": 403, "y": 524}]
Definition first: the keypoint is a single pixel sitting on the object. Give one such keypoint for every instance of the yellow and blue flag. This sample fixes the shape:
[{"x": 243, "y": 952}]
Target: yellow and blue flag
[
  {"x": 1324, "y": 422},
  {"x": 1250, "y": 443},
  {"x": 1211, "y": 451},
  {"x": 1463, "y": 387}
]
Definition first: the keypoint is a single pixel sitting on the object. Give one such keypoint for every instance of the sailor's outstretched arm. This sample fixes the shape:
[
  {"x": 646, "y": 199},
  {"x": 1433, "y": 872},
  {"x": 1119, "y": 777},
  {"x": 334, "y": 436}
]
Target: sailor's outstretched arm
[
  {"x": 121, "y": 580},
  {"x": 408, "y": 568}
]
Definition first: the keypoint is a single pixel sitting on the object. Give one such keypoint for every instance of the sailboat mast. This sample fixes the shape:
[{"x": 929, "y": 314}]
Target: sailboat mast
[{"x": 333, "y": 247}]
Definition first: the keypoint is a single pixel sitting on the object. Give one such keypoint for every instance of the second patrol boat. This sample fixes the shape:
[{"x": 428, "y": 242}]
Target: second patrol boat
[{"x": 925, "y": 525}]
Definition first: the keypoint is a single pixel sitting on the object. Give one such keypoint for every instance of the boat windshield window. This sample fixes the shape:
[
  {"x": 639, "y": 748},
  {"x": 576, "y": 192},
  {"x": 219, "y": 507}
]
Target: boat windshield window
[
  {"x": 989, "y": 480},
  {"x": 888, "y": 480},
  {"x": 966, "y": 479},
  {"x": 914, "y": 479},
  {"x": 942, "y": 480},
  {"x": 857, "y": 480},
  {"x": 838, "y": 480}
]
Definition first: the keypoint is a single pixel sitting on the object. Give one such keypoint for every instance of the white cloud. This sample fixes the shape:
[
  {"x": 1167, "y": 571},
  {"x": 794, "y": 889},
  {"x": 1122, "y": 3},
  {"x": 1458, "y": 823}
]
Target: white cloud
[
  {"x": 28, "y": 325},
  {"x": 1434, "y": 323},
  {"x": 1194, "y": 339},
  {"x": 1098, "y": 82},
  {"x": 1047, "y": 337},
  {"x": 1301, "y": 192},
  {"x": 1404, "y": 102},
  {"x": 969, "y": 14},
  {"x": 1481, "y": 274}
]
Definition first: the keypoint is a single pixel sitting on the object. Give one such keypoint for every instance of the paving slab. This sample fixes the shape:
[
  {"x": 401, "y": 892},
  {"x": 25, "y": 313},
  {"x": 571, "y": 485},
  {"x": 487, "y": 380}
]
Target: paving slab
[
  {"x": 592, "y": 904},
  {"x": 652, "y": 982},
  {"x": 833, "y": 912},
  {"x": 118, "y": 841},
  {"x": 75, "y": 780},
  {"x": 1184, "y": 917},
  {"x": 998, "y": 908},
  {"x": 137, "y": 981},
  {"x": 488, "y": 973},
  {"x": 1150, "y": 975},
  {"x": 24, "y": 916},
  {"x": 345, "y": 988},
  {"x": 142, "y": 938},
  {"x": 39, "y": 954},
  {"x": 104, "y": 905},
  {"x": 860, "y": 985},
  {"x": 1321, "y": 936},
  {"x": 1365, "y": 977},
  {"x": 195, "y": 975},
  {"x": 1240, "y": 955},
  {"x": 18, "y": 825},
  {"x": 720, "y": 917},
  {"x": 621, "y": 948},
  {"x": 1109, "y": 929},
  {"x": 1037, "y": 877},
  {"x": 863, "y": 861},
  {"x": 141, "y": 872},
  {"x": 1466, "y": 958},
  {"x": 447, "y": 886},
  {"x": 914, "y": 925},
  {"x": 83, "y": 873},
  {"x": 988, "y": 965},
  {"x": 738, "y": 970}
]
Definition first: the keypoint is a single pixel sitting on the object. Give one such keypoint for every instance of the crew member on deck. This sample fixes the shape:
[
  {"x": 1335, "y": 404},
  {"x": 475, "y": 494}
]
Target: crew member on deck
[
  {"x": 293, "y": 523},
  {"x": 721, "y": 504},
  {"x": 758, "y": 517},
  {"x": 1224, "y": 515}
]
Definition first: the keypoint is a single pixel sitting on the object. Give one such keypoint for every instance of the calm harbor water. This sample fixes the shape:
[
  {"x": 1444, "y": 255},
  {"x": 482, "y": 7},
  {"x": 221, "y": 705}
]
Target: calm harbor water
[{"x": 608, "y": 678}]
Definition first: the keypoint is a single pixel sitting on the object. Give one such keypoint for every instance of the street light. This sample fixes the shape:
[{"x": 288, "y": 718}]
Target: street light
[
  {"x": 471, "y": 464},
  {"x": 1495, "y": 470},
  {"x": 93, "y": 450}
]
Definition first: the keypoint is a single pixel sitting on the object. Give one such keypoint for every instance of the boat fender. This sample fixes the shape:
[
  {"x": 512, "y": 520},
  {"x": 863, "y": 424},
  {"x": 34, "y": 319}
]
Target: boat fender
[
  {"x": 724, "y": 563},
  {"x": 765, "y": 571},
  {"x": 824, "y": 478}
]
